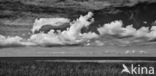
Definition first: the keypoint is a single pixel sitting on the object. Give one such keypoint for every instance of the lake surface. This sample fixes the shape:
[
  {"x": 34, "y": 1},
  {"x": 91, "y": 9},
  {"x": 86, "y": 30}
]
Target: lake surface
[{"x": 78, "y": 51}]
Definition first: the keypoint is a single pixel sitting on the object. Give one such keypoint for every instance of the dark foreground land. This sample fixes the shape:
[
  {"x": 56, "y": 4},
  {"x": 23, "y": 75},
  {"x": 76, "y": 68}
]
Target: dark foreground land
[{"x": 54, "y": 68}]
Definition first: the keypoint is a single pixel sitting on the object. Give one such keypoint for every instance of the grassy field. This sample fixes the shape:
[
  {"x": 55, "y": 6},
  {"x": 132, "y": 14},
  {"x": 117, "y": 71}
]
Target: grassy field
[{"x": 54, "y": 68}]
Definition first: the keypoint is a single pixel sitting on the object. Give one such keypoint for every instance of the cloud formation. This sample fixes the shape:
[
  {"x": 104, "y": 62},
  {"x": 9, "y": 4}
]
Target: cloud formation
[
  {"x": 73, "y": 35},
  {"x": 115, "y": 28}
]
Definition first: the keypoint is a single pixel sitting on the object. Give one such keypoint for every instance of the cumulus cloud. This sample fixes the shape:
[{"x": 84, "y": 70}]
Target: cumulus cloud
[
  {"x": 128, "y": 31},
  {"x": 73, "y": 34},
  {"x": 4, "y": 41},
  {"x": 152, "y": 34},
  {"x": 112, "y": 28},
  {"x": 48, "y": 21},
  {"x": 115, "y": 28}
]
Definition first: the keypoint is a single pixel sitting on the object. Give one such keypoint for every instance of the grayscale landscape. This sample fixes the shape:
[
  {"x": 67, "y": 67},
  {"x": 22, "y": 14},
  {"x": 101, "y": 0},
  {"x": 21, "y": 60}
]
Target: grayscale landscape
[
  {"x": 17, "y": 18},
  {"x": 35, "y": 32}
]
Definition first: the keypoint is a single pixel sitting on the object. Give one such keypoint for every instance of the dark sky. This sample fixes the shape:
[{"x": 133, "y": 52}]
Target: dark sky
[
  {"x": 133, "y": 2},
  {"x": 127, "y": 2}
]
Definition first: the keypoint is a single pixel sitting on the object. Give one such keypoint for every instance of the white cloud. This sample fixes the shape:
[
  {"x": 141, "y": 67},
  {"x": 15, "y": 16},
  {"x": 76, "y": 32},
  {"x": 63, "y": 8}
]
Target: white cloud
[
  {"x": 73, "y": 34},
  {"x": 48, "y": 21}
]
